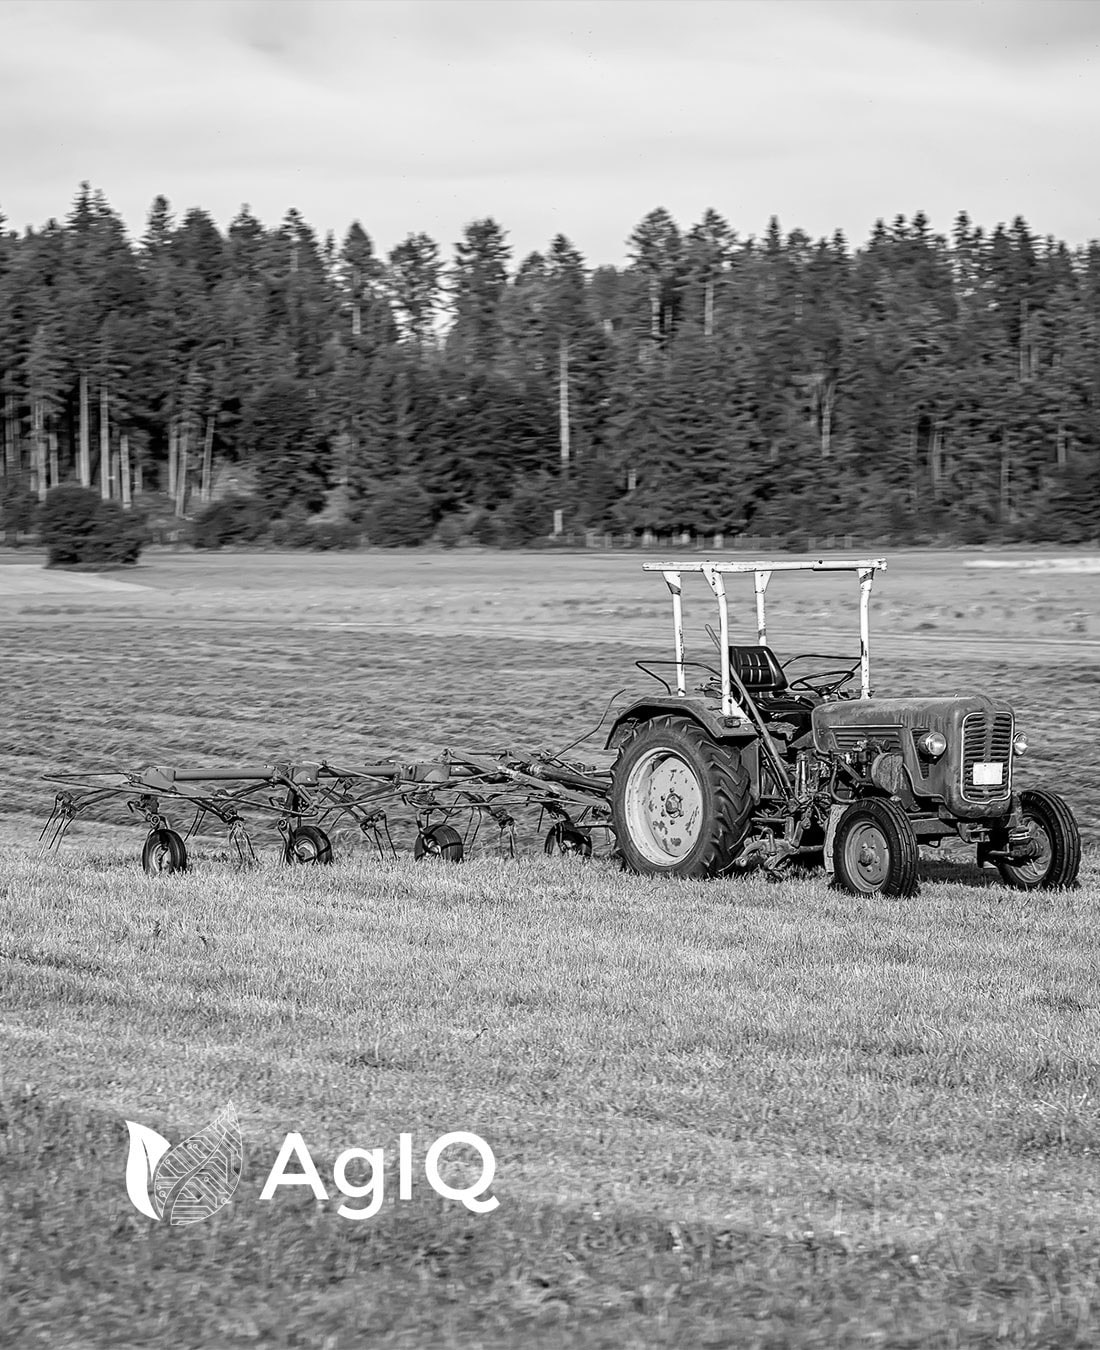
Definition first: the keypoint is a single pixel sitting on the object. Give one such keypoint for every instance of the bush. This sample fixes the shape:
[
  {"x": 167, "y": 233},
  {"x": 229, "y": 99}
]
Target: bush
[
  {"x": 297, "y": 529},
  {"x": 527, "y": 517},
  {"x": 335, "y": 534},
  {"x": 233, "y": 520},
  {"x": 484, "y": 528},
  {"x": 451, "y": 530},
  {"x": 18, "y": 510},
  {"x": 161, "y": 522},
  {"x": 78, "y": 527},
  {"x": 401, "y": 517},
  {"x": 292, "y": 529}
]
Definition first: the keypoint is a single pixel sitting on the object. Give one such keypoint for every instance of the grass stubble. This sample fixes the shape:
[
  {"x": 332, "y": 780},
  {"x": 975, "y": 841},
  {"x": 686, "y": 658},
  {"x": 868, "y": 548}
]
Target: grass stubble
[{"x": 728, "y": 1114}]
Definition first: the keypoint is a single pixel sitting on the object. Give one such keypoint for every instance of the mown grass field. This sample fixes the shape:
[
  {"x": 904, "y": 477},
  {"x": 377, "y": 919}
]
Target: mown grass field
[{"x": 735, "y": 1114}]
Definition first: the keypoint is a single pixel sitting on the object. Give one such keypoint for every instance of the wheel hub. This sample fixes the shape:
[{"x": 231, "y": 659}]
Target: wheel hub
[
  {"x": 664, "y": 804},
  {"x": 1032, "y": 860},
  {"x": 870, "y": 854}
]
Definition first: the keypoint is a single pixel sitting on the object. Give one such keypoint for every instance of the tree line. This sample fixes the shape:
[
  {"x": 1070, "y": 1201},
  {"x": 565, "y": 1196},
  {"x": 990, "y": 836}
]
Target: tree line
[{"x": 919, "y": 386}]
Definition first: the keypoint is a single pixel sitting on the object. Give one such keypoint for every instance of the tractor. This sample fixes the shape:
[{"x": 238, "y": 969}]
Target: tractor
[{"x": 762, "y": 764}]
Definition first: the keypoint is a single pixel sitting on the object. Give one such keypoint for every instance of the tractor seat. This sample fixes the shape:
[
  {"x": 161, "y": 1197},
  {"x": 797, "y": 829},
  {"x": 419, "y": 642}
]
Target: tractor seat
[
  {"x": 758, "y": 669},
  {"x": 766, "y": 681}
]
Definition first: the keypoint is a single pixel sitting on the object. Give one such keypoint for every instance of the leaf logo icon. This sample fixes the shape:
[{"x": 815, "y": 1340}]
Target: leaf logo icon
[
  {"x": 146, "y": 1150},
  {"x": 191, "y": 1181}
]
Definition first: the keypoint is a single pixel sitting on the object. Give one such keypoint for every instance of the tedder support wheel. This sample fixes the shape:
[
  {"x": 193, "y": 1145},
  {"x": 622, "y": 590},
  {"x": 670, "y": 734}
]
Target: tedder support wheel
[
  {"x": 1053, "y": 827},
  {"x": 164, "y": 851},
  {"x": 308, "y": 844},
  {"x": 680, "y": 801},
  {"x": 875, "y": 850},
  {"x": 563, "y": 838},
  {"x": 439, "y": 841}
]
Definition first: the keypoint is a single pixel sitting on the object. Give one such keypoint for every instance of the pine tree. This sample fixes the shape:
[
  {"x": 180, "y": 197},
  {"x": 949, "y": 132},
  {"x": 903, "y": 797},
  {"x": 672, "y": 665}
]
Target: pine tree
[
  {"x": 656, "y": 252},
  {"x": 478, "y": 279},
  {"x": 413, "y": 280},
  {"x": 359, "y": 273}
]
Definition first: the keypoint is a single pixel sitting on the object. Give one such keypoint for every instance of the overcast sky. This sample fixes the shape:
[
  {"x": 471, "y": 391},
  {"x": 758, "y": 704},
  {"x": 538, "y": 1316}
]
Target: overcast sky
[{"x": 570, "y": 115}]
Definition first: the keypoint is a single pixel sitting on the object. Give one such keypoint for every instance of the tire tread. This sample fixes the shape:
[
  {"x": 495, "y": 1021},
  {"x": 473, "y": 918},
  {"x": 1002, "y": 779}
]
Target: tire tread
[
  {"x": 729, "y": 783},
  {"x": 902, "y": 878},
  {"x": 1065, "y": 843}
]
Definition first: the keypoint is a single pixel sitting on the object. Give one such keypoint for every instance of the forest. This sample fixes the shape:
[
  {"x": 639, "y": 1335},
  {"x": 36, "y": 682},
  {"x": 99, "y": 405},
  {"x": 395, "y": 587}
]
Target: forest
[{"x": 918, "y": 387}]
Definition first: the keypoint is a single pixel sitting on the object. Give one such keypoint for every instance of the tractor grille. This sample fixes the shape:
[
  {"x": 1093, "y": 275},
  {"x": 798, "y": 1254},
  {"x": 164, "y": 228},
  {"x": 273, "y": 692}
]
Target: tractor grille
[
  {"x": 847, "y": 738},
  {"x": 986, "y": 740}
]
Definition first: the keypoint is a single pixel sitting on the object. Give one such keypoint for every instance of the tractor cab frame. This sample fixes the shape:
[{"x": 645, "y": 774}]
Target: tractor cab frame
[{"x": 714, "y": 572}]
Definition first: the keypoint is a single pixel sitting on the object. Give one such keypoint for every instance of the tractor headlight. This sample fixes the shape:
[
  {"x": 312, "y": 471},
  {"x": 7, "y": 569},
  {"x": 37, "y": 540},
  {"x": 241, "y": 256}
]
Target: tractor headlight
[
  {"x": 1019, "y": 743},
  {"x": 932, "y": 744}
]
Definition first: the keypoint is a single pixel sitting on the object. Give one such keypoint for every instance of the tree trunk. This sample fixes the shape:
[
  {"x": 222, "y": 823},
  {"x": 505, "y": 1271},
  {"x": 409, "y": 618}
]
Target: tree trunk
[
  {"x": 914, "y": 467},
  {"x": 1004, "y": 506},
  {"x": 708, "y": 308},
  {"x": 10, "y": 460},
  {"x": 85, "y": 461},
  {"x": 655, "y": 308},
  {"x": 935, "y": 459},
  {"x": 207, "y": 459},
  {"x": 55, "y": 470},
  {"x": 104, "y": 445},
  {"x": 181, "y": 471},
  {"x": 38, "y": 423},
  {"x": 173, "y": 443},
  {"x": 828, "y": 396},
  {"x": 1060, "y": 446},
  {"x": 139, "y": 476},
  {"x": 124, "y": 469},
  {"x": 563, "y": 399}
]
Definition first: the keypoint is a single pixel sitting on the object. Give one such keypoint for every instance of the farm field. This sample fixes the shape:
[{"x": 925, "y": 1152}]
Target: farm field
[{"x": 738, "y": 1113}]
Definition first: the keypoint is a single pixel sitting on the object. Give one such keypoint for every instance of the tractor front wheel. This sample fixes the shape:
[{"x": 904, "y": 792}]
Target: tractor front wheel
[
  {"x": 680, "y": 801},
  {"x": 875, "y": 850},
  {"x": 1057, "y": 839}
]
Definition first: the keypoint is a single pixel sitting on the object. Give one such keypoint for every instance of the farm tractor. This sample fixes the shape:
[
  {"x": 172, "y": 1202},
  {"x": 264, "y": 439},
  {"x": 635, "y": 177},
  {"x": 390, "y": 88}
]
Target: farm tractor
[{"x": 763, "y": 764}]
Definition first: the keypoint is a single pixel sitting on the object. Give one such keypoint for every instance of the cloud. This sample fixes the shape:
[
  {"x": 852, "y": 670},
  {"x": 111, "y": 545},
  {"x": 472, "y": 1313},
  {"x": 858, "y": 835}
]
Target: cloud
[
  {"x": 1027, "y": 33},
  {"x": 577, "y": 117}
]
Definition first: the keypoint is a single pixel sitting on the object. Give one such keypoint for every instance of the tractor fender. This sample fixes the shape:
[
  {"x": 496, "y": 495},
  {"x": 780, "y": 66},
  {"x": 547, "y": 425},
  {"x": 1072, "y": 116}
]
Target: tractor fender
[{"x": 710, "y": 719}]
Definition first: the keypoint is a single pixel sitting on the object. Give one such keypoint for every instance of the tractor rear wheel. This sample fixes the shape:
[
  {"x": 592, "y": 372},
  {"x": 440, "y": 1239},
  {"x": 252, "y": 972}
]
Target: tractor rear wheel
[
  {"x": 875, "y": 850},
  {"x": 680, "y": 801},
  {"x": 1054, "y": 829}
]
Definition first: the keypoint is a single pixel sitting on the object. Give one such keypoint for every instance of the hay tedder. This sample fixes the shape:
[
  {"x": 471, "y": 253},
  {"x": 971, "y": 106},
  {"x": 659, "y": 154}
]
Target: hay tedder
[
  {"x": 761, "y": 763},
  {"x": 451, "y": 798}
]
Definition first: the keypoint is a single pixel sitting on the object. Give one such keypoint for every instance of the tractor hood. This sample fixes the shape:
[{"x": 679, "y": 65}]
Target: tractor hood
[{"x": 870, "y": 715}]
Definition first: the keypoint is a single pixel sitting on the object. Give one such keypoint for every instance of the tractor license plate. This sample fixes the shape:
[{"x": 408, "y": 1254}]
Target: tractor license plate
[{"x": 989, "y": 774}]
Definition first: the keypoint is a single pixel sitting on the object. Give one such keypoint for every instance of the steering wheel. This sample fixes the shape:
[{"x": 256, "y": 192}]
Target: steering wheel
[{"x": 824, "y": 682}]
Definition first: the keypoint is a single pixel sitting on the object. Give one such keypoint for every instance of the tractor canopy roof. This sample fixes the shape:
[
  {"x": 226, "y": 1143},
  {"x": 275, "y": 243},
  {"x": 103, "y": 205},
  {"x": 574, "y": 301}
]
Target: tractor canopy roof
[{"x": 714, "y": 573}]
